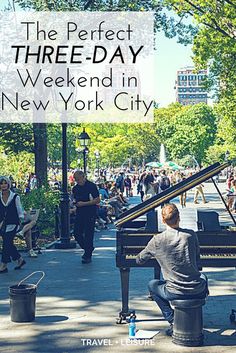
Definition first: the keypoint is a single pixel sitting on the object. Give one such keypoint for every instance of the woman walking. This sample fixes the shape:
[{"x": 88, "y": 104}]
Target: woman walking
[{"x": 11, "y": 213}]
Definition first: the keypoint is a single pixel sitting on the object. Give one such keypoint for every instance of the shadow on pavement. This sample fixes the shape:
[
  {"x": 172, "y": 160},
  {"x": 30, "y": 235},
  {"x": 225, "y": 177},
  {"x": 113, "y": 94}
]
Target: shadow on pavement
[{"x": 50, "y": 319}]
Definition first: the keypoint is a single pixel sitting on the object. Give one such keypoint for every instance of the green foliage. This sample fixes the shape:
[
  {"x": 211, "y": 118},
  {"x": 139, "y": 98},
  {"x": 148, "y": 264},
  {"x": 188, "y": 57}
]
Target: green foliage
[
  {"x": 115, "y": 142},
  {"x": 215, "y": 153},
  {"x": 16, "y": 137},
  {"x": 17, "y": 165},
  {"x": 226, "y": 132},
  {"x": 162, "y": 21},
  {"x": 90, "y": 5},
  {"x": 195, "y": 131},
  {"x": 184, "y": 130},
  {"x": 187, "y": 161},
  {"x": 165, "y": 121},
  {"x": 188, "y": 130},
  {"x": 54, "y": 137},
  {"x": 215, "y": 43},
  {"x": 46, "y": 200}
]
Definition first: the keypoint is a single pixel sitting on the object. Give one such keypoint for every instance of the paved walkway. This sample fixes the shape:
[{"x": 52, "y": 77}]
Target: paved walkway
[{"x": 77, "y": 305}]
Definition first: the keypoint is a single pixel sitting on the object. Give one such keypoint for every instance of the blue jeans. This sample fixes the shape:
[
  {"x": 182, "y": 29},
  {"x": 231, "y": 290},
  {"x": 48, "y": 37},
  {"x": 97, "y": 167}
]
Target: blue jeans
[{"x": 162, "y": 297}]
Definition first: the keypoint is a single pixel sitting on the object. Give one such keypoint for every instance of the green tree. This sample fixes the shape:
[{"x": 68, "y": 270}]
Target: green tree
[
  {"x": 226, "y": 132},
  {"x": 214, "y": 45},
  {"x": 165, "y": 121},
  {"x": 215, "y": 153},
  {"x": 31, "y": 138},
  {"x": 17, "y": 165},
  {"x": 16, "y": 137},
  {"x": 40, "y": 130},
  {"x": 194, "y": 132}
]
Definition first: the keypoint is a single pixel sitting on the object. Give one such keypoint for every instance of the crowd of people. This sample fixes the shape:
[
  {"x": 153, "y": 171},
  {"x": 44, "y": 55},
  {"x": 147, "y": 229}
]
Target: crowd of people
[
  {"x": 153, "y": 182},
  {"x": 96, "y": 204},
  {"x": 105, "y": 200}
]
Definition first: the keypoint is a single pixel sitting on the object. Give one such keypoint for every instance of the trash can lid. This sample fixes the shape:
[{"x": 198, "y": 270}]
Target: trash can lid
[{"x": 22, "y": 288}]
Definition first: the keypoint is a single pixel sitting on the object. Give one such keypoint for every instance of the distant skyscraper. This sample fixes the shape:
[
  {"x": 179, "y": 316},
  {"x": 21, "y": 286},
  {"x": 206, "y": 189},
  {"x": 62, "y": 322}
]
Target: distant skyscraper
[{"x": 189, "y": 86}]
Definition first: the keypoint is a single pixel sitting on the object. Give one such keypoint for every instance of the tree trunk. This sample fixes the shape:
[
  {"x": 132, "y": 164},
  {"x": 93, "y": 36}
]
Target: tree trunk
[{"x": 40, "y": 152}]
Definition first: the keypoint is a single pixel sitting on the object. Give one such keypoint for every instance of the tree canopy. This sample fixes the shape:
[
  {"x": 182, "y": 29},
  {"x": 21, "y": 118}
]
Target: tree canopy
[
  {"x": 214, "y": 45},
  {"x": 199, "y": 131}
]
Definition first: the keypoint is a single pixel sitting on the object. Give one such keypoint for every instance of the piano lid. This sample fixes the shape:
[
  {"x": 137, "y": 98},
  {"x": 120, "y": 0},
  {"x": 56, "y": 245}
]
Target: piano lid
[{"x": 170, "y": 193}]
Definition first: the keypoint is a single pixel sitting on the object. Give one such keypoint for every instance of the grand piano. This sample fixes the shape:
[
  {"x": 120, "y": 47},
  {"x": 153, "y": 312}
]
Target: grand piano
[{"x": 217, "y": 243}]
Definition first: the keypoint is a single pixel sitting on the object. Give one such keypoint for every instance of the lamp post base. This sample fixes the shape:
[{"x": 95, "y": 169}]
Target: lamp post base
[{"x": 65, "y": 244}]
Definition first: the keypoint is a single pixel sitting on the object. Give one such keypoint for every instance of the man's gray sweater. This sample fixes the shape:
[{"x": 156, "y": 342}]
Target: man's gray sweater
[{"x": 176, "y": 251}]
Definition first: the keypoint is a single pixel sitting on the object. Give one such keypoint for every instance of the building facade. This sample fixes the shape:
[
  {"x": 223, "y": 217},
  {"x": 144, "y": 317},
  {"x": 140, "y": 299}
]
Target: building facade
[{"x": 189, "y": 86}]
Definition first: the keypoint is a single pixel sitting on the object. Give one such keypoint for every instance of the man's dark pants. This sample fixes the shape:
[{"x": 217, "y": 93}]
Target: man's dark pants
[
  {"x": 84, "y": 232},
  {"x": 162, "y": 297}
]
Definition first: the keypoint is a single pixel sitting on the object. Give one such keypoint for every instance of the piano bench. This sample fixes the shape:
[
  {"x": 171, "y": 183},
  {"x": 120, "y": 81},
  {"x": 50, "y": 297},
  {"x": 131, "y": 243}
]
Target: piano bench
[{"x": 188, "y": 322}]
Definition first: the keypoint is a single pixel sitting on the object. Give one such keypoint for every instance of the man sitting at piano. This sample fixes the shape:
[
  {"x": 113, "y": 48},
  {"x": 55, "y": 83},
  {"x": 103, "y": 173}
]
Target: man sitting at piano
[{"x": 177, "y": 251}]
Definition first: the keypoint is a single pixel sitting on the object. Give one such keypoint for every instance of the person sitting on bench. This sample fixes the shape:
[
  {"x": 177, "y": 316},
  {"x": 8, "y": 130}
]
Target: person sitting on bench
[
  {"x": 30, "y": 220},
  {"x": 177, "y": 252}
]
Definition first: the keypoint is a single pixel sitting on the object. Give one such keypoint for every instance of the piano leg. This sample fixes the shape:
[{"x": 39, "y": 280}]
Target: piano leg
[{"x": 125, "y": 312}]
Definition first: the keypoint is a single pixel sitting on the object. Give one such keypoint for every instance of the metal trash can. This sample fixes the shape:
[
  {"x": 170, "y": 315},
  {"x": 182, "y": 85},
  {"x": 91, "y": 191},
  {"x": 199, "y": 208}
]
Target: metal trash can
[{"x": 23, "y": 300}]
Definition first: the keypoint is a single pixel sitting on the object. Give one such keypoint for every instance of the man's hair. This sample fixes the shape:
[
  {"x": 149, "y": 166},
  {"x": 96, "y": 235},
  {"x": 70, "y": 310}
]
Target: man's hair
[
  {"x": 78, "y": 173},
  {"x": 170, "y": 214}
]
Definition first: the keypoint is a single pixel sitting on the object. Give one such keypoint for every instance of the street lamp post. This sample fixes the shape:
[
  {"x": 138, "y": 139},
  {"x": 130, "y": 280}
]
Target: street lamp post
[
  {"x": 84, "y": 141},
  {"x": 85, "y": 156},
  {"x": 64, "y": 242},
  {"x": 97, "y": 156}
]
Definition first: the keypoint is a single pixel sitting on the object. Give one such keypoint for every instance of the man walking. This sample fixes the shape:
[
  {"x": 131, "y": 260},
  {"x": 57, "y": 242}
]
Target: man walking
[
  {"x": 86, "y": 197},
  {"x": 176, "y": 251}
]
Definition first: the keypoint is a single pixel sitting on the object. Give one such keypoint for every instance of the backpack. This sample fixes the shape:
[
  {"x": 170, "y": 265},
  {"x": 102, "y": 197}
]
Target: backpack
[{"x": 164, "y": 183}]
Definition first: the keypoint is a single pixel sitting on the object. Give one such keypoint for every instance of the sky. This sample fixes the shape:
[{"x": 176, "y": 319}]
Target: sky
[{"x": 169, "y": 57}]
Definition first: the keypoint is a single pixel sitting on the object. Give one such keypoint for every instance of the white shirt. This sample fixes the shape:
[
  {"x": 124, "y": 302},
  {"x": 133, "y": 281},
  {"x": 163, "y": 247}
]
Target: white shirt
[{"x": 19, "y": 208}]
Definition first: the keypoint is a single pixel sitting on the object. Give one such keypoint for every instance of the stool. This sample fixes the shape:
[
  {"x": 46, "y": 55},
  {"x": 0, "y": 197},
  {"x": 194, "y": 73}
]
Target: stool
[{"x": 188, "y": 322}]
